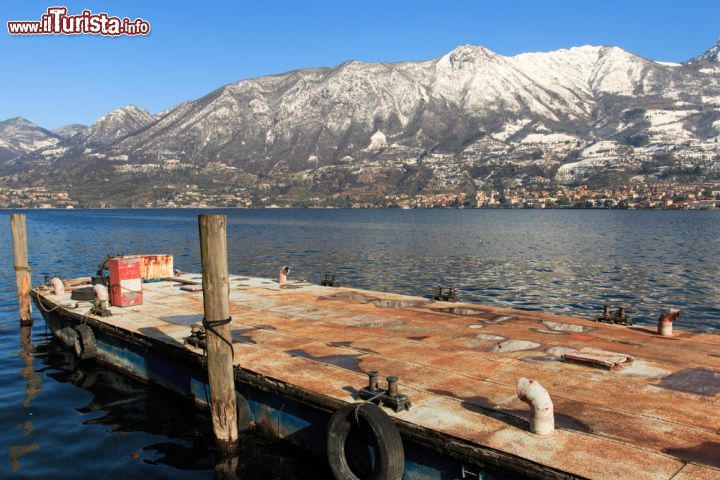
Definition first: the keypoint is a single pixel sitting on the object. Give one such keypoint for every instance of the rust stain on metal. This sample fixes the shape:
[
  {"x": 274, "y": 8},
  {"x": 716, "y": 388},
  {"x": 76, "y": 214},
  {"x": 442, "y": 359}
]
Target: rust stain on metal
[
  {"x": 379, "y": 323},
  {"x": 345, "y": 344},
  {"x": 156, "y": 266},
  {"x": 417, "y": 338},
  {"x": 649, "y": 419},
  {"x": 697, "y": 472},
  {"x": 350, "y": 297}
]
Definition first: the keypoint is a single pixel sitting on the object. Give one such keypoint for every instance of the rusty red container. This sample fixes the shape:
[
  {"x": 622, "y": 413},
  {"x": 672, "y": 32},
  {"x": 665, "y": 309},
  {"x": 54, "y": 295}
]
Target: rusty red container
[
  {"x": 125, "y": 281},
  {"x": 156, "y": 266}
]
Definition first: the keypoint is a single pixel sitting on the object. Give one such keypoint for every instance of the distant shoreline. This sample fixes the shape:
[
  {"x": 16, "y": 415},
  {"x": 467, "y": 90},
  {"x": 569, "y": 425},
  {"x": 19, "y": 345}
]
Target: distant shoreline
[{"x": 57, "y": 209}]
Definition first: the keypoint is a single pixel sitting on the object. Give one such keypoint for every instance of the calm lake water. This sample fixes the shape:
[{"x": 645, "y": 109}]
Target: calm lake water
[{"x": 63, "y": 420}]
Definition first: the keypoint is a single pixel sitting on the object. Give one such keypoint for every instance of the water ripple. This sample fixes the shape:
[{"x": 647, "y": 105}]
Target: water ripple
[{"x": 55, "y": 413}]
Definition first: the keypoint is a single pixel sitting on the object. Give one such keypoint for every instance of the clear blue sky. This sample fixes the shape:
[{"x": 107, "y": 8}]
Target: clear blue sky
[{"x": 195, "y": 47}]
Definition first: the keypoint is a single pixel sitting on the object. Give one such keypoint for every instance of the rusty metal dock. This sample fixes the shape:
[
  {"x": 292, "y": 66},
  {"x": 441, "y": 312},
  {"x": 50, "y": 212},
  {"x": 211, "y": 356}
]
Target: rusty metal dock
[{"x": 654, "y": 416}]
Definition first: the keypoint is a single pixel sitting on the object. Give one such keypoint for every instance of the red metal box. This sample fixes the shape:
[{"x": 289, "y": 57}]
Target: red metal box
[{"x": 125, "y": 281}]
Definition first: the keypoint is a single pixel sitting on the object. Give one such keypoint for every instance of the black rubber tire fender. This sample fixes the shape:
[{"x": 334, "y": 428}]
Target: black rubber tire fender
[
  {"x": 84, "y": 346},
  {"x": 390, "y": 455}
]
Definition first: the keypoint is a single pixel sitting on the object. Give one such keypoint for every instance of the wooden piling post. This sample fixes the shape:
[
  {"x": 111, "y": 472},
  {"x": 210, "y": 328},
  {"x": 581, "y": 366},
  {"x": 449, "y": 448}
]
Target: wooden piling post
[
  {"x": 216, "y": 303},
  {"x": 22, "y": 268}
]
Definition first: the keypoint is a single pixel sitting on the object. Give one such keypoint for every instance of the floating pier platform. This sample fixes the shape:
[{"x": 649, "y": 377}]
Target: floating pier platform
[{"x": 628, "y": 403}]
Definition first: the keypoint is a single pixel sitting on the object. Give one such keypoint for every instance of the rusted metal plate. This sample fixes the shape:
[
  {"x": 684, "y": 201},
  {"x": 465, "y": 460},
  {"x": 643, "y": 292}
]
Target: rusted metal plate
[
  {"x": 156, "y": 266},
  {"x": 644, "y": 432},
  {"x": 705, "y": 338},
  {"x": 697, "y": 472},
  {"x": 602, "y": 358},
  {"x": 460, "y": 364},
  {"x": 637, "y": 396}
]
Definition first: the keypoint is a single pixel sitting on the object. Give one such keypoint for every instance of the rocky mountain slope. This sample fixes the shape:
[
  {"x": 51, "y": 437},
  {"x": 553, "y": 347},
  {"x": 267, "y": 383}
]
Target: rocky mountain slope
[
  {"x": 69, "y": 130},
  {"x": 19, "y": 136},
  {"x": 466, "y": 120},
  {"x": 711, "y": 57},
  {"x": 114, "y": 126}
]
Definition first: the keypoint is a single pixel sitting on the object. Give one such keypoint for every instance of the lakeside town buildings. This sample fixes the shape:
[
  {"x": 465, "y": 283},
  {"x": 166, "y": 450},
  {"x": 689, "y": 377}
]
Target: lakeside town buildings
[{"x": 637, "y": 196}]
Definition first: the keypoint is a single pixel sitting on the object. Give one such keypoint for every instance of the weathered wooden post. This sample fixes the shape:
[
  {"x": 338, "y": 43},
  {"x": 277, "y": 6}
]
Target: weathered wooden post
[
  {"x": 216, "y": 303},
  {"x": 22, "y": 269}
]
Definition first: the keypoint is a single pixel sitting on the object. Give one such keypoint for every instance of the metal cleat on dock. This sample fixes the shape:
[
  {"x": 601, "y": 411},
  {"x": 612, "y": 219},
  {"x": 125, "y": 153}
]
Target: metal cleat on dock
[
  {"x": 618, "y": 317},
  {"x": 390, "y": 397},
  {"x": 441, "y": 296},
  {"x": 197, "y": 338},
  {"x": 329, "y": 281}
]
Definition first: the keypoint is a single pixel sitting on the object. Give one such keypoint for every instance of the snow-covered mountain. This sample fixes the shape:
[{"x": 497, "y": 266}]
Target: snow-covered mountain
[
  {"x": 712, "y": 55},
  {"x": 69, "y": 130},
  {"x": 71, "y": 147},
  {"x": 19, "y": 136},
  {"x": 459, "y": 121},
  {"x": 114, "y": 126}
]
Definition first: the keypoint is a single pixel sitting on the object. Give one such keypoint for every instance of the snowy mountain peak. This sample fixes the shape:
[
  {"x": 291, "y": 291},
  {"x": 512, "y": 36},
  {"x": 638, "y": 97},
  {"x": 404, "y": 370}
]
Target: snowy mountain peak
[
  {"x": 115, "y": 125},
  {"x": 127, "y": 111},
  {"x": 458, "y": 121},
  {"x": 68, "y": 131},
  {"x": 713, "y": 54},
  {"x": 19, "y": 136},
  {"x": 17, "y": 122},
  {"x": 470, "y": 54}
]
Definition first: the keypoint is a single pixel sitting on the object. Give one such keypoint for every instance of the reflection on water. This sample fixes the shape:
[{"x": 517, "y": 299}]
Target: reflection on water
[
  {"x": 61, "y": 419},
  {"x": 149, "y": 429},
  {"x": 17, "y": 451},
  {"x": 32, "y": 383},
  {"x": 32, "y": 379}
]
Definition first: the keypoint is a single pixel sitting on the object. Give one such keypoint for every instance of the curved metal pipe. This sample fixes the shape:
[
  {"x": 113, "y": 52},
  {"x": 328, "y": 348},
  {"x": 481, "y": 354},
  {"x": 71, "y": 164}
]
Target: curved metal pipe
[
  {"x": 542, "y": 420},
  {"x": 58, "y": 286},
  {"x": 282, "y": 275},
  {"x": 101, "y": 295},
  {"x": 665, "y": 322}
]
